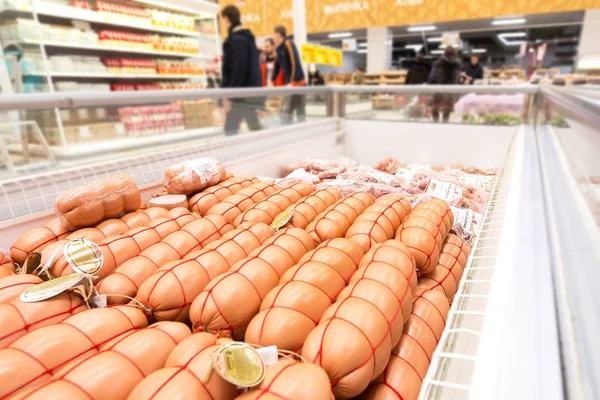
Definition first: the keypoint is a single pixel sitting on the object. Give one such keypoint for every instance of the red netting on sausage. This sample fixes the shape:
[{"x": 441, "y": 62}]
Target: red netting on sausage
[{"x": 201, "y": 202}]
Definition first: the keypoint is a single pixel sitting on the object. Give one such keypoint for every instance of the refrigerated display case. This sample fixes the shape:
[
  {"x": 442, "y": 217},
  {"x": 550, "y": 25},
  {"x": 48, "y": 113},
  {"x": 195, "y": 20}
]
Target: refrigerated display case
[{"x": 523, "y": 321}]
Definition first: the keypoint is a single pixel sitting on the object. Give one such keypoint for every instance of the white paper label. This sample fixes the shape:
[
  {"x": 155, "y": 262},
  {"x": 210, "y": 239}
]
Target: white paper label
[
  {"x": 84, "y": 132},
  {"x": 83, "y": 113},
  {"x": 206, "y": 168},
  {"x": 65, "y": 116},
  {"x": 268, "y": 354},
  {"x": 101, "y": 113},
  {"x": 98, "y": 301},
  {"x": 444, "y": 190},
  {"x": 120, "y": 129},
  {"x": 468, "y": 219}
]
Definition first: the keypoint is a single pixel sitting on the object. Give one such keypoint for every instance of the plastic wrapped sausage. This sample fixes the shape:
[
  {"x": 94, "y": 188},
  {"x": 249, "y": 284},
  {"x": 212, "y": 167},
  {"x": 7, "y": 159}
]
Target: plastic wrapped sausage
[
  {"x": 18, "y": 317},
  {"x": 236, "y": 204},
  {"x": 92, "y": 203},
  {"x": 37, "y": 239},
  {"x": 169, "y": 292},
  {"x": 12, "y": 286},
  {"x": 335, "y": 220},
  {"x": 193, "y": 176},
  {"x": 125, "y": 281},
  {"x": 380, "y": 221},
  {"x": 424, "y": 231},
  {"x": 396, "y": 254},
  {"x": 291, "y": 310},
  {"x": 118, "y": 249},
  {"x": 266, "y": 210},
  {"x": 215, "y": 309},
  {"x": 292, "y": 380},
  {"x": 410, "y": 359},
  {"x": 115, "y": 371},
  {"x": 203, "y": 201},
  {"x": 356, "y": 335},
  {"x": 186, "y": 374},
  {"x": 307, "y": 209},
  {"x": 25, "y": 364}
]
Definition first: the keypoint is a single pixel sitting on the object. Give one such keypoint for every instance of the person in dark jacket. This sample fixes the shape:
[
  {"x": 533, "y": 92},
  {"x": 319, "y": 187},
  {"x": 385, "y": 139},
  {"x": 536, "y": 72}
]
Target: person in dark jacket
[
  {"x": 472, "y": 71},
  {"x": 240, "y": 69},
  {"x": 288, "y": 61},
  {"x": 446, "y": 71},
  {"x": 315, "y": 78},
  {"x": 418, "y": 73}
]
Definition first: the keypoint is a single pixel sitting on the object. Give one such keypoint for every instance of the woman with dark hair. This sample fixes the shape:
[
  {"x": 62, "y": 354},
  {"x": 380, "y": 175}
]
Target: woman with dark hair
[{"x": 446, "y": 71}]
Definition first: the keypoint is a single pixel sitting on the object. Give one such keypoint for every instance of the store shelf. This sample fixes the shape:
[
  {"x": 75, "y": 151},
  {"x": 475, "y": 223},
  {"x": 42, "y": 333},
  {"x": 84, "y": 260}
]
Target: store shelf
[{"x": 115, "y": 76}]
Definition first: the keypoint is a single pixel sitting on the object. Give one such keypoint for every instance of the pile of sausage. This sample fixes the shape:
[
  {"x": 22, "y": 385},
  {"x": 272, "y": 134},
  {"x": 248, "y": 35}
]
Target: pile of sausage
[{"x": 357, "y": 288}]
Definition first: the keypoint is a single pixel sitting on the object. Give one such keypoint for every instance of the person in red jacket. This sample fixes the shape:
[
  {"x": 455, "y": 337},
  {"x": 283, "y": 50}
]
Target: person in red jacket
[{"x": 268, "y": 58}]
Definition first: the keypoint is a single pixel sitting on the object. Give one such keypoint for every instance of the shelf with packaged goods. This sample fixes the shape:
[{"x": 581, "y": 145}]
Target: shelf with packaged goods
[{"x": 109, "y": 75}]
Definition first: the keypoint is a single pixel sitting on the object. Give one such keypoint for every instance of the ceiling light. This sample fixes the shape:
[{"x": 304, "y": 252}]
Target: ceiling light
[
  {"x": 478, "y": 51},
  {"x": 437, "y": 52},
  {"x": 340, "y": 35},
  {"x": 512, "y": 21},
  {"x": 512, "y": 34},
  {"x": 362, "y": 45},
  {"x": 424, "y": 28},
  {"x": 434, "y": 40},
  {"x": 361, "y": 51},
  {"x": 415, "y": 47},
  {"x": 502, "y": 37}
]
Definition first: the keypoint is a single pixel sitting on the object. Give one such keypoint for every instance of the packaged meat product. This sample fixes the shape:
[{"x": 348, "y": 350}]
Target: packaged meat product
[
  {"x": 322, "y": 169},
  {"x": 169, "y": 292},
  {"x": 395, "y": 254},
  {"x": 25, "y": 364},
  {"x": 37, "y": 239},
  {"x": 187, "y": 374},
  {"x": 169, "y": 201},
  {"x": 335, "y": 220},
  {"x": 124, "y": 282},
  {"x": 19, "y": 318},
  {"x": 118, "y": 249},
  {"x": 291, "y": 310},
  {"x": 380, "y": 221},
  {"x": 215, "y": 309},
  {"x": 307, "y": 209},
  {"x": 193, "y": 176},
  {"x": 203, "y": 201},
  {"x": 115, "y": 371},
  {"x": 90, "y": 204},
  {"x": 7, "y": 269},
  {"x": 292, "y": 380},
  {"x": 236, "y": 204},
  {"x": 370, "y": 175},
  {"x": 356, "y": 335},
  {"x": 389, "y": 165},
  {"x": 424, "y": 231},
  {"x": 266, "y": 210},
  {"x": 12, "y": 286}
]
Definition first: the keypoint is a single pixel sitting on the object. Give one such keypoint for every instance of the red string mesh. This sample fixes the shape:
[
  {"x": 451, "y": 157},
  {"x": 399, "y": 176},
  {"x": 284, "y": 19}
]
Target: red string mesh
[
  {"x": 307, "y": 209},
  {"x": 37, "y": 239},
  {"x": 236, "y": 204},
  {"x": 12, "y": 286},
  {"x": 201, "y": 202}
]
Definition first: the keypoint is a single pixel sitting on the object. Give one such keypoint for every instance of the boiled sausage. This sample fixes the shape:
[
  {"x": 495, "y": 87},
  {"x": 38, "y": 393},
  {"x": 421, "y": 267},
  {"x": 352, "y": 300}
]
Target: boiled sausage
[
  {"x": 292, "y": 380},
  {"x": 291, "y": 310},
  {"x": 169, "y": 201},
  {"x": 236, "y": 204},
  {"x": 37, "y": 239},
  {"x": 193, "y": 176},
  {"x": 203, "y": 201},
  {"x": 7, "y": 269},
  {"x": 124, "y": 282},
  {"x": 424, "y": 232},
  {"x": 266, "y": 210},
  {"x": 113, "y": 372},
  {"x": 395, "y": 254},
  {"x": 183, "y": 377},
  {"x": 18, "y": 317},
  {"x": 216, "y": 309},
  {"x": 379, "y": 221},
  {"x": 169, "y": 292},
  {"x": 90, "y": 204},
  {"x": 307, "y": 209},
  {"x": 26, "y": 364},
  {"x": 11, "y": 287},
  {"x": 336, "y": 220}
]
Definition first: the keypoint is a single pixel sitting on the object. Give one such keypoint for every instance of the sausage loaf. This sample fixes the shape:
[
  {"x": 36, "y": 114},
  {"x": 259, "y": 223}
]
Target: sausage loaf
[
  {"x": 307, "y": 209},
  {"x": 25, "y": 364},
  {"x": 113, "y": 372},
  {"x": 126, "y": 279},
  {"x": 236, "y": 204},
  {"x": 193, "y": 176},
  {"x": 356, "y": 335},
  {"x": 12, "y": 286},
  {"x": 266, "y": 210},
  {"x": 18, "y": 317},
  {"x": 380, "y": 221},
  {"x": 291, "y": 380},
  {"x": 203, "y": 201},
  {"x": 92, "y": 203},
  {"x": 230, "y": 300},
  {"x": 291, "y": 310},
  {"x": 424, "y": 232},
  {"x": 37, "y": 239},
  {"x": 7, "y": 269},
  {"x": 395, "y": 254},
  {"x": 169, "y": 292},
  {"x": 336, "y": 220},
  {"x": 184, "y": 374}
]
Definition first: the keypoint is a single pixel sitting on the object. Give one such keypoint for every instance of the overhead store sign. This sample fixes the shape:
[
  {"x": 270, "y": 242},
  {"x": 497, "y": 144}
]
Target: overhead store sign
[
  {"x": 312, "y": 54},
  {"x": 261, "y": 16},
  {"x": 349, "y": 45}
]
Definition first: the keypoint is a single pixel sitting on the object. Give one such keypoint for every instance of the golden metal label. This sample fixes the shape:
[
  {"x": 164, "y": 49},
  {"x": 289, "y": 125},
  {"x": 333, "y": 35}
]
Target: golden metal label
[
  {"x": 282, "y": 219},
  {"x": 32, "y": 262},
  {"x": 54, "y": 287},
  {"x": 239, "y": 364},
  {"x": 83, "y": 256}
]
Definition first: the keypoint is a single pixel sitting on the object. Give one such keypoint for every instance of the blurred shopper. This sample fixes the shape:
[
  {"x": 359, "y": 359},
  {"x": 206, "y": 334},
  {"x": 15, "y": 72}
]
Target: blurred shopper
[
  {"x": 315, "y": 78},
  {"x": 358, "y": 78},
  {"x": 268, "y": 58},
  {"x": 446, "y": 71},
  {"x": 472, "y": 71},
  {"x": 240, "y": 70},
  {"x": 418, "y": 73},
  {"x": 288, "y": 61},
  {"x": 213, "y": 81}
]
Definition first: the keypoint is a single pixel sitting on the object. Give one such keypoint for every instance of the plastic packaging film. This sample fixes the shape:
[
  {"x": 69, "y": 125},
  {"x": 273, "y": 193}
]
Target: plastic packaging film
[
  {"x": 193, "y": 176},
  {"x": 236, "y": 204},
  {"x": 203, "y": 201},
  {"x": 90, "y": 204},
  {"x": 215, "y": 309},
  {"x": 292, "y": 309},
  {"x": 169, "y": 292}
]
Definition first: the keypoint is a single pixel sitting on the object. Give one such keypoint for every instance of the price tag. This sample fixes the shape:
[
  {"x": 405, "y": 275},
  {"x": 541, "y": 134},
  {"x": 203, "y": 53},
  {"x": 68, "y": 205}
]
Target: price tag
[
  {"x": 49, "y": 289},
  {"x": 84, "y": 132},
  {"x": 83, "y": 256},
  {"x": 101, "y": 113},
  {"x": 83, "y": 114},
  {"x": 240, "y": 364},
  {"x": 120, "y": 129}
]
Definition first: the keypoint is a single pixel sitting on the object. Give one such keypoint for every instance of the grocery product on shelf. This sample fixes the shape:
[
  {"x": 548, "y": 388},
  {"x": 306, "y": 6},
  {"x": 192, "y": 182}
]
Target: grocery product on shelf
[
  {"x": 152, "y": 120},
  {"x": 129, "y": 66},
  {"x": 234, "y": 205},
  {"x": 193, "y": 176},
  {"x": 110, "y": 38},
  {"x": 307, "y": 209},
  {"x": 12, "y": 286},
  {"x": 114, "y": 9},
  {"x": 203, "y": 201},
  {"x": 36, "y": 239}
]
